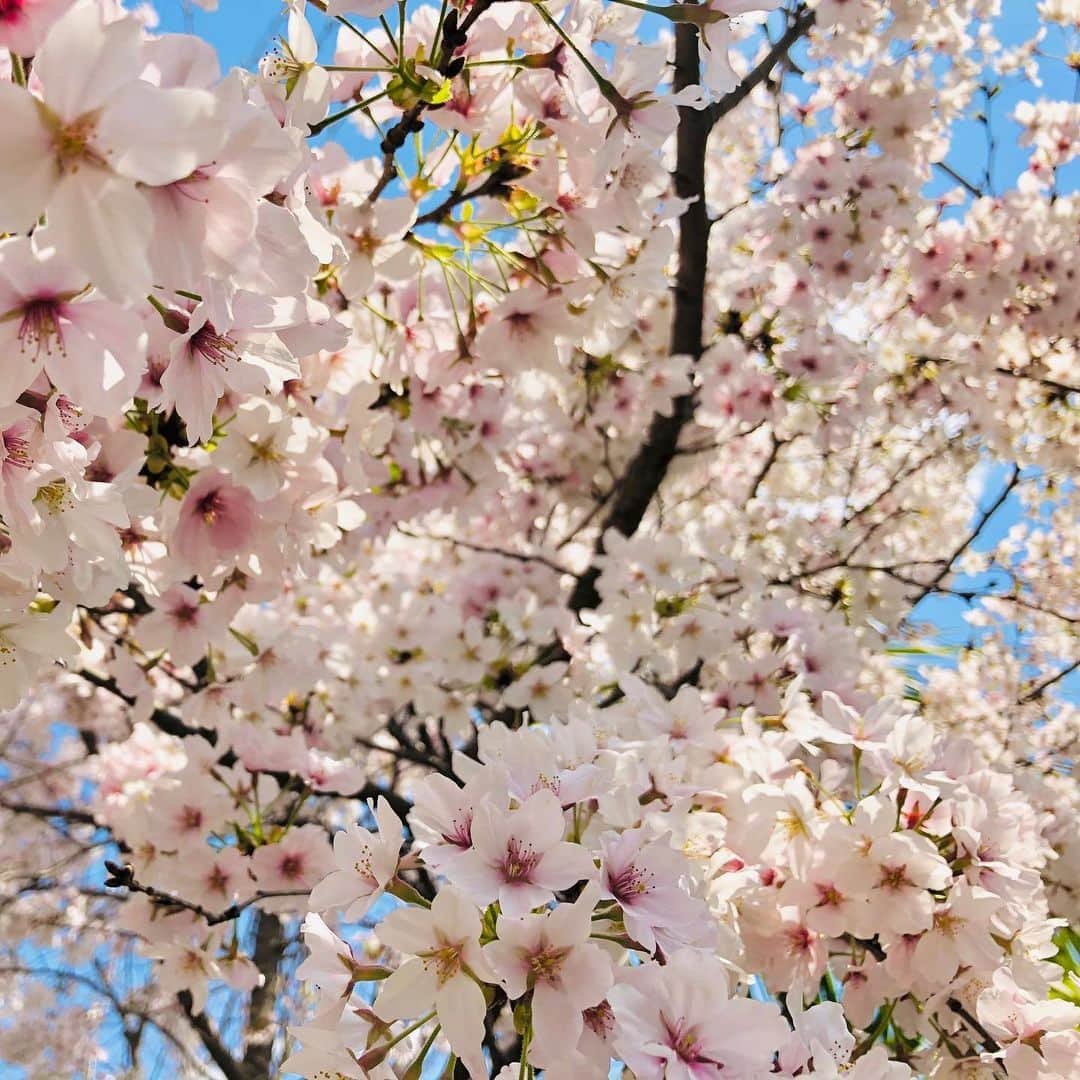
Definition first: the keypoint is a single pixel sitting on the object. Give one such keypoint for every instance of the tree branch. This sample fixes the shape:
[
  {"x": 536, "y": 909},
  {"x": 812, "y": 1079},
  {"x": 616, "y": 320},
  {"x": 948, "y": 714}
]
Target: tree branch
[
  {"x": 123, "y": 877},
  {"x": 801, "y": 25},
  {"x": 259, "y": 1035},
  {"x": 229, "y": 1066},
  {"x": 984, "y": 517},
  {"x": 649, "y": 466},
  {"x": 1039, "y": 689}
]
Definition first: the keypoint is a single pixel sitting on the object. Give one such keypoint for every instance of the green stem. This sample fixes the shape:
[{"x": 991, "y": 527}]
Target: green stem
[
  {"x": 346, "y": 67},
  {"x": 18, "y": 69},
  {"x": 322, "y": 125},
  {"x": 389, "y": 30},
  {"x": 365, "y": 39},
  {"x": 526, "y": 1038},
  {"x": 416, "y": 1069},
  {"x": 607, "y": 88},
  {"x": 881, "y": 1025},
  {"x": 377, "y": 1054}
]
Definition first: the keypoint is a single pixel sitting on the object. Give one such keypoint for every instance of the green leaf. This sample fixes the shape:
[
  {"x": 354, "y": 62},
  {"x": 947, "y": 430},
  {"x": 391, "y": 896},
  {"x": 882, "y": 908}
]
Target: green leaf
[{"x": 244, "y": 640}]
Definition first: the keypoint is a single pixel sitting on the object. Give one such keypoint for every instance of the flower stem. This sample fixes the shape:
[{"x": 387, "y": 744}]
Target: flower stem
[
  {"x": 18, "y": 69},
  {"x": 322, "y": 125}
]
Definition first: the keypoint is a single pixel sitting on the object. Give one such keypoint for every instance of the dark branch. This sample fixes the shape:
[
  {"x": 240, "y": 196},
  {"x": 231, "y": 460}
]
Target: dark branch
[
  {"x": 123, "y": 877},
  {"x": 801, "y": 25},
  {"x": 649, "y": 466}
]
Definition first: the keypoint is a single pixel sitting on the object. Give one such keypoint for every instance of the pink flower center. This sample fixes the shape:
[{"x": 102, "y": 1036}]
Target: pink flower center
[
  {"x": 40, "y": 325},
  {"x": 630, "y": 883},
  {"x": 521, "y": 323},
  {"x": 185, "y": 615},
  {"x": 16, "y": 448},
  {"x": 460, "y": 834},
  {"x": 211, "y": 506},
  {"x": 829, "y": 896},
  {"x": 684, "y": 1040},
  {"x": 218, "y": 880},
  {"x": 520, "y": 861},
  {"x": 11, "y": 9},
  {"x": 292, "y": 866},
  {"x": 207, "y": 343}
]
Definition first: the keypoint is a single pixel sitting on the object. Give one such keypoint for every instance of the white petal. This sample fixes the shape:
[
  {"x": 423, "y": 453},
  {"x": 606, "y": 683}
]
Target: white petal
[
  {"x": 85, "y": 61},
  {"x": 27, "y": 163},
  {"x": 158, "y": 136},
  {"x": 102, "y": 223}
]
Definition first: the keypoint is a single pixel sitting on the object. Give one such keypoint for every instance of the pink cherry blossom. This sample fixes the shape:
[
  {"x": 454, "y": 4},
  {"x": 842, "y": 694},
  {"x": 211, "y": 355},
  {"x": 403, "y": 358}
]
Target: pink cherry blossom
[
  {"x": 217, "y": 523},
  {"x": 519, "y": 858},
  {"x": 364, "y": 865}
]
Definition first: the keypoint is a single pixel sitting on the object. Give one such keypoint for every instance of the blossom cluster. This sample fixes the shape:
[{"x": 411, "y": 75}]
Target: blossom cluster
[
  {"x": 856, "y": 848},
  {"x": 490, "y": 565}
]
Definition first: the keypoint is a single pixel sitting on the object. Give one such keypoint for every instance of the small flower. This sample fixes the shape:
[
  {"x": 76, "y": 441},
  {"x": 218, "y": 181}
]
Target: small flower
[
  {"x": 366, "y": 864},
  {"x": 519, "y": 858}
]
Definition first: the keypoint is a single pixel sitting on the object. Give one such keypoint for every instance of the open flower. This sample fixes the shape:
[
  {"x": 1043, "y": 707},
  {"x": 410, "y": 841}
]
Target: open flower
[
  {"x": 366, "y": 864},
  {"x": 446, "y": 962},
  {"x": 645, "y": 878},
  {"x": 677, "y": 1021},
  {"x": 98, "y": 130},
  {"x": 217, "y": 524},
  {"x": 519, "y": 858},
  {"x": 93, "y": 351},
  {"x": 295, "y": 71},
  {"x": 551, "y": 955}
]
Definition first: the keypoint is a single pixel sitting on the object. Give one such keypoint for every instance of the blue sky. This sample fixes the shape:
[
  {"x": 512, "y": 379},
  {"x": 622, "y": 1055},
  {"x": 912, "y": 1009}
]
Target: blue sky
[{"x": 243, "y": 30}]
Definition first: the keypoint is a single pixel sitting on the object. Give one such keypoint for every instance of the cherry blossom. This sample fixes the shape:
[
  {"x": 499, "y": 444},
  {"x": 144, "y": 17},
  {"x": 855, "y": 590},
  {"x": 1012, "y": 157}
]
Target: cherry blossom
[
  {"x": 540, "y": 538},
  {"x": 520, "y": 858},
  {"x": 364, "y": 865}
]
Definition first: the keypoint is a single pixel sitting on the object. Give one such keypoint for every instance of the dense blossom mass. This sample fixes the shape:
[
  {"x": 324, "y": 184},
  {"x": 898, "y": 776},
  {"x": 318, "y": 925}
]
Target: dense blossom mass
[{"x": 471, "y": 493}]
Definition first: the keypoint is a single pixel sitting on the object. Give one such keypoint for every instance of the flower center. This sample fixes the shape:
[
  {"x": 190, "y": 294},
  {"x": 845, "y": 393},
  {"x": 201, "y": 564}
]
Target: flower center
[
  {"x": 600, "y": 1019},
  {"x": 39, "y": 326},
  {"x": 11, "y": 9},
  {"x": 829, "y": 896},
  {"x": 545, "y": 965},
  {"x": 210, "y": 506},
  {"x": 683, "y": 1039},
  {"x": 55, "y": 497},
  {"x": 520, "y": 861},
  {"x": 16, "y": 449},
  {"x": 185, "y": 614},
  {"x": 292, "y": 866},
  {"x": 460, "y": 834},
  {"x": 948, "y": 924},
  {"x": 521, "y": 323},
  {"x": 210, "y": 345},
  {"x": 630, "y": 883},
  {"x": 894, "y": 878},
  {"x": 447, "y": 962},
  {"x": 71, "y": 142}
]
